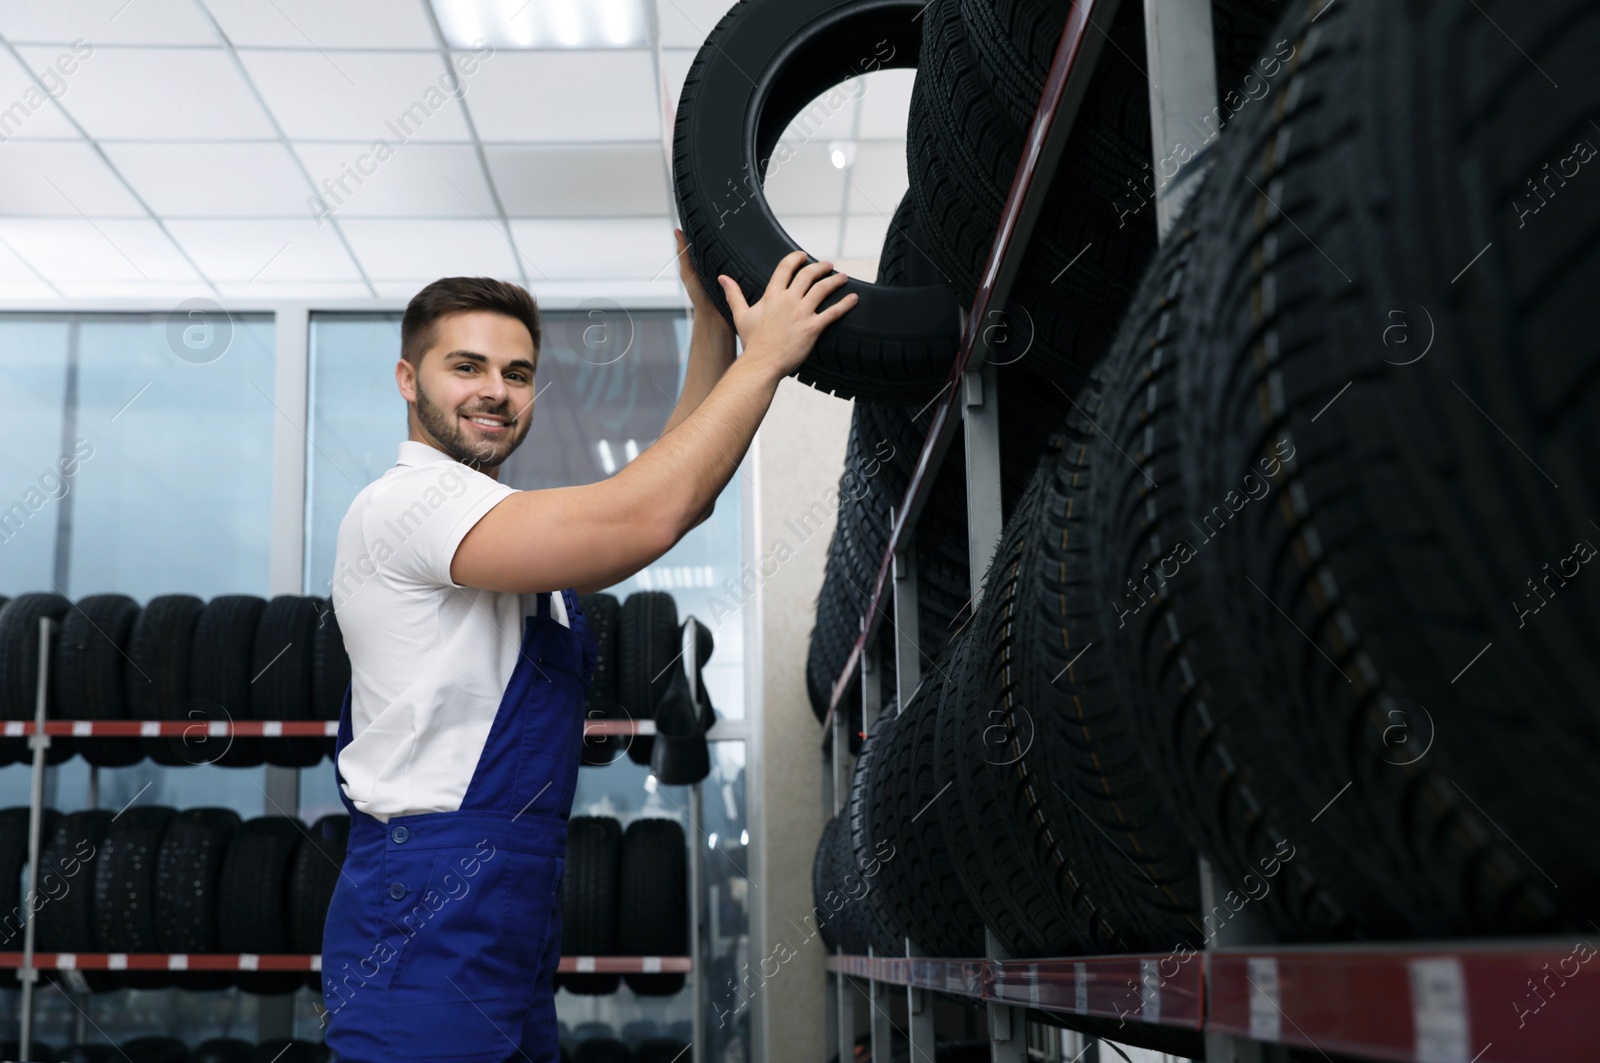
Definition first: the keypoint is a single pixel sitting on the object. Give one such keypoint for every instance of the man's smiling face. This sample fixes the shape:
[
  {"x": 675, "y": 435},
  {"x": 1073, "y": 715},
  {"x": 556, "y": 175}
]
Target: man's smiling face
[{"x": 474, "y": 392}]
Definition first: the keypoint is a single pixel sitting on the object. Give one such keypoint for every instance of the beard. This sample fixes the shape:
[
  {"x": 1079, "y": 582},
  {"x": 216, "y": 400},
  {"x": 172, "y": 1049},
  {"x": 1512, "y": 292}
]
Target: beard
[{"x": 446, "y": 427}]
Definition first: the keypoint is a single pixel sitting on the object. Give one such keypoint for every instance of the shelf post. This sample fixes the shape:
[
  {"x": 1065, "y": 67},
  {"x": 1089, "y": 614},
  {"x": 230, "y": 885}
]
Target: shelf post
[
  {"x": 907, "y": 652},
  {"x": 39, "y": 742},
  {"x": 845, "y": 1006},
  {"x": 882, "y": 1030},
  {"x": 919, "y": 1012},
  {"x": 980, "y": 418},
  {"x": 1183, "y": 98},
  {"x": 1008, "y": 1040}
]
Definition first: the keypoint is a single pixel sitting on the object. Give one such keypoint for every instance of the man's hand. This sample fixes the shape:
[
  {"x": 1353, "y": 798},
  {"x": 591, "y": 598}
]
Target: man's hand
[{"x": 784, "y": 324}]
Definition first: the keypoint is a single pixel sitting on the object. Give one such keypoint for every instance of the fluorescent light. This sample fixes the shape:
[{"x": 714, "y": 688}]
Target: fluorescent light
[
  {"x": 712, "y": 839},
  {"x": 544, "y": 23},
  {"x": 606, "y": 461},
  {"x": 744, "y": 837},
  {"x": 631, "y": 449},
  {"x": 842, "y": 153}
]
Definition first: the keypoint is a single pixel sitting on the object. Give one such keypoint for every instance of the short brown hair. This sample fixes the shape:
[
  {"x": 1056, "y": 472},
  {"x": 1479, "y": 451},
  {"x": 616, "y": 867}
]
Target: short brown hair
[{"x": 450, "y": 295}]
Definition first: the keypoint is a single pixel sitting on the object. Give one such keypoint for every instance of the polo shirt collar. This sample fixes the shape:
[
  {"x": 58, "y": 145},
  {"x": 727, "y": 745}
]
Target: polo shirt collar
[{"x": 414, "y": 453}]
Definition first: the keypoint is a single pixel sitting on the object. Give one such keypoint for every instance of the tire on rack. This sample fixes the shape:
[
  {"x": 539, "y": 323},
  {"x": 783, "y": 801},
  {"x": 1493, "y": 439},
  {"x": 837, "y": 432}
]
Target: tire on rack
[
  {"x": 154, "y": 1049},
  {"x": 125, "y": 889},
  {"x": 159, "y": 651},
  {"x": 89, "y": 674},
  {"x": 14, "y": 907},
  {"x": 330, "y": 672},
  {"x": 71, "y": 852},
  {"x": 281, "y": 676},
  {"x": 188, "y": 866},
  {"x": 648, "y": 641},
  {"x": 223, "y": 1050},
  {"x": 318, "y": 863},
  {"x": 1083, "y": 260},
  {"x": 589, "y": 899},
  {"x": 602, "y": 701},
  {"x": 221, "y": 670},
  {"x": 253, "y": 897},
  {"x": 653, "y": 904},
  {"x": 896, "y": 343},
  {"x": 1373, "y": 543},
  {"x": 19, "y": 672},
  {"x": 867, "y": 788}
]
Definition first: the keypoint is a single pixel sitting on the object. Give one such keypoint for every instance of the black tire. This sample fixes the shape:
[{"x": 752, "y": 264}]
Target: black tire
[
  {"x": 89, "y": 673},
  {"x": 602, "y": 1050},
  {"x": 653, "y": 904},
  {"x": 1083, "y": 261},
  {"x": 1087, "y": 787},
  {"x": 821, "y": 883},
  {"x": 125, "y": 889},
  {"x": 318, "y": 863},
  {"x": 902, "y": 263},
  {"x": 159, "y": 651},
  {"x": 589, "y": 897},
  {"x": 330, "y": 672},
  {"x": 659, "y": 1050},
  {"x": 604, "y": 614},
  {"x": 88, "y": 1053},
  {"x": 253, "y": 889},
  {"x": 221, "y": 667},
  {"x": 223, "y": 1050},
  {"x": 648, "y": 643},
  {"x": 1386, "y": 572},
  {"x": 188, "y": 865},
  {"x": 896, "y": 343},
  {"x": 19, "y": 672},
  {"x": 284, "y": 1050},
  {"x": 13, "y": 859},
  {"x": 155, "y": 1049},
  {"x": 281, "y": 676},
  {"x": 71, "y": 853},
  {"x": 868, "y": 788}
]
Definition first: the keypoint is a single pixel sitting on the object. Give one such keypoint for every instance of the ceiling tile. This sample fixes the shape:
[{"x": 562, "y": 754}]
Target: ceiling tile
[
  {"x": 108, "y": 22},
  {"x": 802, "y": 180},
  {"x": 171, "y": 292},
  {"x": 367, "y": 96},
  {"x": 149, "y": 93},
  {"x": 293, "y": 290},
  {"x": 20, "y": 290},
  {"x": 65, "y": 178},
  {"x": 106, "y": 249},
  {"x": 877, "y": 179},
  {"x": 13, "y": 268},
  {"x": 29, "y": 112},
  {"x": 266, "y": 251},
  {"x": 205, "y": 179},
  {"x": 885, "y": 104},
  {"x": 397, "y": 249},
  {"x": 415, "y": 180},
  {"x": 318, "y": 24},
  {"x": 817, "y": 234},
  {"x": 580, "y": 180},
  {"x": 685, "y": 23},
  {"x": 616, "y": 248},
  {"x": 863, "y": 235},
  {"x": 566, "y": 96},
  {"x": 831, "y": 116}
]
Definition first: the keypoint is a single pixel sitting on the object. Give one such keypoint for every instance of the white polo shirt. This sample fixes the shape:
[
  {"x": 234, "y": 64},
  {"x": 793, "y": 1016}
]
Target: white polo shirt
[{"x": 429, "y": 658}]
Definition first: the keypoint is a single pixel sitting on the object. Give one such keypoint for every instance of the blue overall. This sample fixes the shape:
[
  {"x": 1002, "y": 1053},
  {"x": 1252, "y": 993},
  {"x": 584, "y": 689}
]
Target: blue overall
[{"x": 444, "y": 930}]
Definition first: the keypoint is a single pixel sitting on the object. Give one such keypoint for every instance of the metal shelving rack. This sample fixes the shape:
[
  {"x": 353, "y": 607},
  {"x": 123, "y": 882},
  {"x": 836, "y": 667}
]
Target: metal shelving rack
[
  {"x": 38, "y": 731},
  {"x": 1430, "y": 1002}
]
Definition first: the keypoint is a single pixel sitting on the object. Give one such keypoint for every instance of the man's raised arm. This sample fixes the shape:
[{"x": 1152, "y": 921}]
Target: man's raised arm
[{"x": 594, "y": 536}]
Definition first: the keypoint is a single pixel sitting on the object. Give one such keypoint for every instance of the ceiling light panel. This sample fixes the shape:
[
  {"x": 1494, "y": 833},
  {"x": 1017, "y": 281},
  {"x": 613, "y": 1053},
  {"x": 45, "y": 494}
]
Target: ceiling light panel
[{"x": 545, "y": 23}]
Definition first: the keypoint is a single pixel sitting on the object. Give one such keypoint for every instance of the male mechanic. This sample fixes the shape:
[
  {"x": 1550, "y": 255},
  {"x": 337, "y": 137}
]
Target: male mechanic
[{"x": 459, "y": 737}]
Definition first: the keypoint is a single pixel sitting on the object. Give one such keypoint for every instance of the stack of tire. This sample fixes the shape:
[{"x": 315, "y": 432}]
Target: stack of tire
[
  {"x": 235, "y": 658},
  {"x": 159, "y": 1049},
  {"x": 624, "y": 893},
  {"x": 149, "y": 878},
  {"x": 1254, "y": 606}
]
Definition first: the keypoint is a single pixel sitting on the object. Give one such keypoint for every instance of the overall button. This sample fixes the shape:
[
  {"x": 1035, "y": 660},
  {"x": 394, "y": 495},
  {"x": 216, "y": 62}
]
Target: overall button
[
  {"x": 400, "y": 834},
  {"x": 397, "y": 890}
]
